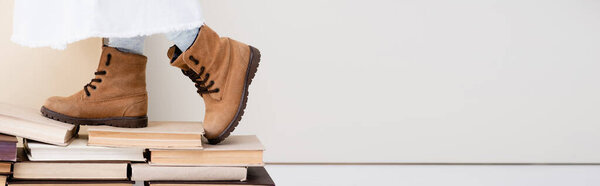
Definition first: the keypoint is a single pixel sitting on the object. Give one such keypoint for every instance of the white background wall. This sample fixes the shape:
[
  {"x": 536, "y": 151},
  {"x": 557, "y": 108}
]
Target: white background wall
[
  {"x": 29, "y": 75},
  {"x": 465, "y": 81}
]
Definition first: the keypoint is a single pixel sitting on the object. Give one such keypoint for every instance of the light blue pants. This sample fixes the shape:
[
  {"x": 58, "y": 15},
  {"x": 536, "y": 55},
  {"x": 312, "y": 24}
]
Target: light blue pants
[{"x": 182, "y": 39}]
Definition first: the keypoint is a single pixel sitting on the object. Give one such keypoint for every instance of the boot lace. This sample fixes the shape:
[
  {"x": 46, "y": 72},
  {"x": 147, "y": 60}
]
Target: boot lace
[
  {"x": 98, "y": 80},
  {"x": 200, "y": 82}
]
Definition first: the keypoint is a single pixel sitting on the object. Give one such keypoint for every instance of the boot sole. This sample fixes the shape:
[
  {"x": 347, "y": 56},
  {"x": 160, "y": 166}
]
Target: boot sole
[
  {"x": 250, "y": 73},
  {"x": 123, "y": 122}
]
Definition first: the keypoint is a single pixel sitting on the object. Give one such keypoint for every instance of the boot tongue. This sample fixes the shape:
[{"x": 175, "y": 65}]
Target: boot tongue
[
  {"x": 114, "y": 56},
  {"x": 176, "y": 58}
]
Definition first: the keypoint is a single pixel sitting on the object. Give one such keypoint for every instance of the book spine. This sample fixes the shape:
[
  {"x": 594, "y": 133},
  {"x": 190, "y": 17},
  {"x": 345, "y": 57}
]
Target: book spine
[{"x": 8, "y": 152}]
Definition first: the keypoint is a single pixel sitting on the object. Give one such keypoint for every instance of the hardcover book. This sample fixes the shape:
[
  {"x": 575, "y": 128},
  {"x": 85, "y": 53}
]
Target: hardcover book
[
  {"x": 8, "y": 148},
  {"x": 145, "y": 172},
  {"x": 256, "y": 176},
  {"x": 59, "y": 183},
  {"x": 3, "y": 180},
  {"x": 5, "y": 168},
  {"x": 30, "y": 124},
  {"x": 78, "y": 150},
  {"x": 234, "y": 151},
  {"x": 156, "y": 135},
  {"x": 71, "y": 170},
  {"x": 43, "y": 170}
]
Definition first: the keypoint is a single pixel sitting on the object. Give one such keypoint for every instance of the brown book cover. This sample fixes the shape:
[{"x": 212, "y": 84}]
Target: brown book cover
[
  {"x": 8, "y": 139},
  {"x": 8, "y": 148},
  {"x": 80, "y": 182},
  {"x": 5, "y": 168},
  {"x": 256, "y": 176}
]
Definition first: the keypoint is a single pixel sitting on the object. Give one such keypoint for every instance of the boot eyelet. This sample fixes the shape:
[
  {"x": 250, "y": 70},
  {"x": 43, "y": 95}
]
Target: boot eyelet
[
  {"x": 196, "y": 62},
  {"x": 217, "y": 90},
  {"x": 108, "y": 56}
]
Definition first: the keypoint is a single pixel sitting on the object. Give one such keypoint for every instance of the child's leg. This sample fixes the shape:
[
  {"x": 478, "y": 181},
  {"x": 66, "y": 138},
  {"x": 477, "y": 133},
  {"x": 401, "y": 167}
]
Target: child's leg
[
  {"x": 183, "y": 39},
  {"x": 130, "y": 45}
]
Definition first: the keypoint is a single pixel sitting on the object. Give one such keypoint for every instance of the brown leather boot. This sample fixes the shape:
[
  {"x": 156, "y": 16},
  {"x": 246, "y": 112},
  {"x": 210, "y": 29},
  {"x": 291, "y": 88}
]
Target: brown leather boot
[
  {"x": 116, "y": 97},
  {"x": 222, "y": 69}
]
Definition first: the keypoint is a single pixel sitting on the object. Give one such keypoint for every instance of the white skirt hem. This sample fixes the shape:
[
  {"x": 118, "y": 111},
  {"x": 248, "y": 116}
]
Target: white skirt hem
[{"x": 61, "y": 45}]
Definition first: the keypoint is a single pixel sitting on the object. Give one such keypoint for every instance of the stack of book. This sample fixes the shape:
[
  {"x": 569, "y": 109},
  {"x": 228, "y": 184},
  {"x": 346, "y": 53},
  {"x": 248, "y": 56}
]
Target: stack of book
[
  {"x": 75, "y": 164},
  {"x": 8, "y": 155},
  {"x": 164, "y": 153},
  {"x": 228, "y": 161}
]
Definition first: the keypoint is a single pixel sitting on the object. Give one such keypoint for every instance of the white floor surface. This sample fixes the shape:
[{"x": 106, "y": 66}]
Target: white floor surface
[{"x": 436, "y": 175}]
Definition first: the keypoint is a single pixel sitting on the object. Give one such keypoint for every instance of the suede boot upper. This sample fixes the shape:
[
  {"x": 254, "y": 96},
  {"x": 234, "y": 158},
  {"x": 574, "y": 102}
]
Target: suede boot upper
[
  {"x": 118, "y": 90},
  {"x": 218, "y": 66}
]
